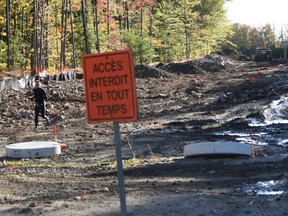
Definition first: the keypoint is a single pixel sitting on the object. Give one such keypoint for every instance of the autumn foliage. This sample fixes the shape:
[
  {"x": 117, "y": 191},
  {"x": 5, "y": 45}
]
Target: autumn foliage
[{"x": 41, "y": 34}]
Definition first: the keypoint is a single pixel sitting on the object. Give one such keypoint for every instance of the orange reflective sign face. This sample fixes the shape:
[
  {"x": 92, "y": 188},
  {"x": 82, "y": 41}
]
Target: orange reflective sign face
[{"x": 110, "y": 86}]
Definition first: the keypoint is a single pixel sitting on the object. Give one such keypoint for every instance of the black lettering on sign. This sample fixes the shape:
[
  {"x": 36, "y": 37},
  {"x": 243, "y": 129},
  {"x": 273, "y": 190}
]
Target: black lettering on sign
[
  {"x": 111, "y": 66},
  {"x": 120, "y": 66},
  {"x": 96, "y": 96},
  {"x": 108, "y": 81},
  {"x": 120, "y": 80},
  {"x": 111, "y": 110},
  {"x": 117, "y": 94}
]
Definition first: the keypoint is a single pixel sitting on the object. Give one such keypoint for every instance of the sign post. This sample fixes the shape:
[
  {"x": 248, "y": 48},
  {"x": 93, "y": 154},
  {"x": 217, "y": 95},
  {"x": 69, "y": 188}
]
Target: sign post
[
  {"x": 110, "y": 91},
  {"x": 120, "y": 175}
]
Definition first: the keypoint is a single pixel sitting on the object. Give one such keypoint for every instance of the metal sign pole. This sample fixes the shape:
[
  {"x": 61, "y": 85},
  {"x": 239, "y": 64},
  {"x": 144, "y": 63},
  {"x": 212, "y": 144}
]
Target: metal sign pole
[{"x": 117, "y": 139}]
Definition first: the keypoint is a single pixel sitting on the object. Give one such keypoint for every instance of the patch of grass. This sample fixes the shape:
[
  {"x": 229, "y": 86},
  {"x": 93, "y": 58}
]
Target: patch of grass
[
  {"x": 28, "y": 163},
  {"x": 210, "y": 126},
  {"x": 133, "y": 162},
  {"x": 99, "y": 164},
  {"x": 15, "y": 176}
]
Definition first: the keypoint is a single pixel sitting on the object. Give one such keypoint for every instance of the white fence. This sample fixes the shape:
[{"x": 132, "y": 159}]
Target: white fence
[{"x": 10, "y": 82}]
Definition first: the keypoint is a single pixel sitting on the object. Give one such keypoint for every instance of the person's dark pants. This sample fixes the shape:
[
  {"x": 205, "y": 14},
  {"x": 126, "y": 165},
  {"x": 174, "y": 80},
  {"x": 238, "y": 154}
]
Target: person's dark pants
[{"x": 40, "y": 109}]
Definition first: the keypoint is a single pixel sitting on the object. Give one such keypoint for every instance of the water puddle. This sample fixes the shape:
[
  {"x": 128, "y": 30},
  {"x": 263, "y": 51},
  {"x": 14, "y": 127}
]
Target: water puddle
[
  {"x": 283, "y": 143},
  {"x": 268, "y": 129},
  {"x": 276, "y": 112},
  {"x": 253, "y": 122},
  {"x": 245, "y": 137},
  {"x": 270, "y": 188},
  {"x": 254, "y": 142}
]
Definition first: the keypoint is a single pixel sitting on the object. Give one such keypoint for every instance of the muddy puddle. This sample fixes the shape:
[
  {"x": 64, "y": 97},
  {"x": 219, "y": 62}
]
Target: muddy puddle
[{"x": 268, "y": 188}]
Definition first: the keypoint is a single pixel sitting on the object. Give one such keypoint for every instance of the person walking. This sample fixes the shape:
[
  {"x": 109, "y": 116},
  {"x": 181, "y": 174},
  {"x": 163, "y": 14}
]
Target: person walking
[{"x": 40, "y": 98}]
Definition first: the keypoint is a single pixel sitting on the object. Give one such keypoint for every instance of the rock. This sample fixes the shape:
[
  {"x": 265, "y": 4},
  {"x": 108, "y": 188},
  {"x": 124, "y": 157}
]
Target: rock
[
  {"x": 66, "y": 106},
  {"x": 24, "y": 114},
  {"x": 32, "y": 205},
  {"x": 26, "y": 211},
  {"x": 222, "y": 97}
]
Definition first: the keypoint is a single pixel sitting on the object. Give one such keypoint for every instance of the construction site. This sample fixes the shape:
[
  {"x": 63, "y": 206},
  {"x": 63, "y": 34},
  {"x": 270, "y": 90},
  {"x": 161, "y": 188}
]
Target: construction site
[{"x": 221, "y": 97}]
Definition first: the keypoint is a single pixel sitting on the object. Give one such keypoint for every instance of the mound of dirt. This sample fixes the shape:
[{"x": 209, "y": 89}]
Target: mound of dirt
[
  {"x": 234, "y": 54},
  {"x": 145, "y": 71},
  {"x": 187, "y": 67}
]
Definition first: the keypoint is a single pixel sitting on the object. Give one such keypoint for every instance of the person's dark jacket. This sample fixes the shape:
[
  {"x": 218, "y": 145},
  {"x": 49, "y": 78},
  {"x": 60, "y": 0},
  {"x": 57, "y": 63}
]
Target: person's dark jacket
[{"x": 39, "y": 95}]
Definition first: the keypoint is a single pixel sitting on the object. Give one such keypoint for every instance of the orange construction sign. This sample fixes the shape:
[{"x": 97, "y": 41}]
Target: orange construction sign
[{"x": 110, "y": 87}]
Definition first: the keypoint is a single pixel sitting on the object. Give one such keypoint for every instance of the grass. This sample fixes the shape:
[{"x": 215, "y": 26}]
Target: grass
[
  {"x": 210, "y": 126},
  {"x": 28, "y": 163},
  {"x": 133, "y": 162},
  {"x": 15, "y": 176}
]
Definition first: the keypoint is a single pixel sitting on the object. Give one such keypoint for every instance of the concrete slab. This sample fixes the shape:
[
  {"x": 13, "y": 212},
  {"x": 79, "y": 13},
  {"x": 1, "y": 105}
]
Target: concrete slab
[
  {"x": 35, "y": 149},
  {"x": 217, "y": 148}
]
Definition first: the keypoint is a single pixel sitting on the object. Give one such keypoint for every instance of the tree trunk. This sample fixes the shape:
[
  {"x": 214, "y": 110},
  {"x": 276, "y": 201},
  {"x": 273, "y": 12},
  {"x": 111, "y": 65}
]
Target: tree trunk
[
  {"x": 23, "y": 36},
  {"x": 62, "y": 36},
  {"x": 108, "y": 22},
  {"x": 72, "y": 35},
  {"x": 41, "y": 65},
  {"x": 65, "y": 32},
  {"x": 26, "y": 38},
  {"x": 34, "y": 59},
  {"x": 56, "y": 36},
  {"x": 126, "y": 18},
  {"x": 141, "y": 34},
  {"x": 119, "y": 15},
  {"x": 95, "y": 23},
  {"x": 8, "y": 34},
  {"x": 187, "y": 46},
  {"x": 46, "y": 35},
  {"x": 14, "y": 18},
  {"x": 151, "y": 23},
  {"x": 87, "y": 48}
]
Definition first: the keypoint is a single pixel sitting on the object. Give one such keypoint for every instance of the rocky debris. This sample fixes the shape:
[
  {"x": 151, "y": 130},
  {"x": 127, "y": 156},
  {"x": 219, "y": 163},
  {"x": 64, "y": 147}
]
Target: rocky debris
[
  {"x": 214, "y": 62},
  {"x": 234, "y": 54},
  {"x": 64, "y": 99},
  {"x": 175, "y": 86}
]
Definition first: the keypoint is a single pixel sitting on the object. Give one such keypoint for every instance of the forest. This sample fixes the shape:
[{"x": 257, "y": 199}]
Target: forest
[
  {"x": 54, "y": 34},
  {"x": 247, "y": 38}
]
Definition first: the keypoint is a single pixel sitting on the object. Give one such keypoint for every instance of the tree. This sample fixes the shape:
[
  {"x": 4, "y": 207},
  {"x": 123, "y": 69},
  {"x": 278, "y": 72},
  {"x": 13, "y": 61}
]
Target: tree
[
  {"x": 54, "y": 34},
  {"x": 95, "y": 24},
  {"x": 72, "y": 35},
  {"x": 8, "y": 33},
  {"x": 84, "y": 17},
  {"x": 269, "y": 37},
  {"x": 247, "y": 39}
]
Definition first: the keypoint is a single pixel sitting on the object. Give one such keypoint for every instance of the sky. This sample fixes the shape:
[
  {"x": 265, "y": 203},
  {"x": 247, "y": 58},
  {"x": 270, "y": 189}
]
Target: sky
[{"x": 259, "y": 12}]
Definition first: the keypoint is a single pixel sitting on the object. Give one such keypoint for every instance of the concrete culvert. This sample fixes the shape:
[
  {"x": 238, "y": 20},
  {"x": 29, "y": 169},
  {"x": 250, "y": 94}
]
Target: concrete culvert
[
  {"x": 35, "y": 149},
  {"x": 217, "y": 148}
]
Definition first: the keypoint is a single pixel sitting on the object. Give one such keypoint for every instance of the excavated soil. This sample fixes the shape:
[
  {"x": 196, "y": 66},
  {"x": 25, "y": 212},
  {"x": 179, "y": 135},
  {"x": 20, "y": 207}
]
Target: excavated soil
[{"x": 178, "y": 104}]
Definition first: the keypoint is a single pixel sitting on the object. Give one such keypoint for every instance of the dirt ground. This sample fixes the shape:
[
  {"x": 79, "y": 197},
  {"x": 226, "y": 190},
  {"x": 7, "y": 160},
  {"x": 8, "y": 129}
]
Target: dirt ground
[{"x": 178, "y": 104}]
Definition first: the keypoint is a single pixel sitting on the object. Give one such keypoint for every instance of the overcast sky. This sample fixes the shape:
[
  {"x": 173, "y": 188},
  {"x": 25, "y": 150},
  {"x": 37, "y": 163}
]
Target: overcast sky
[{"x": 259, "y": 12}]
